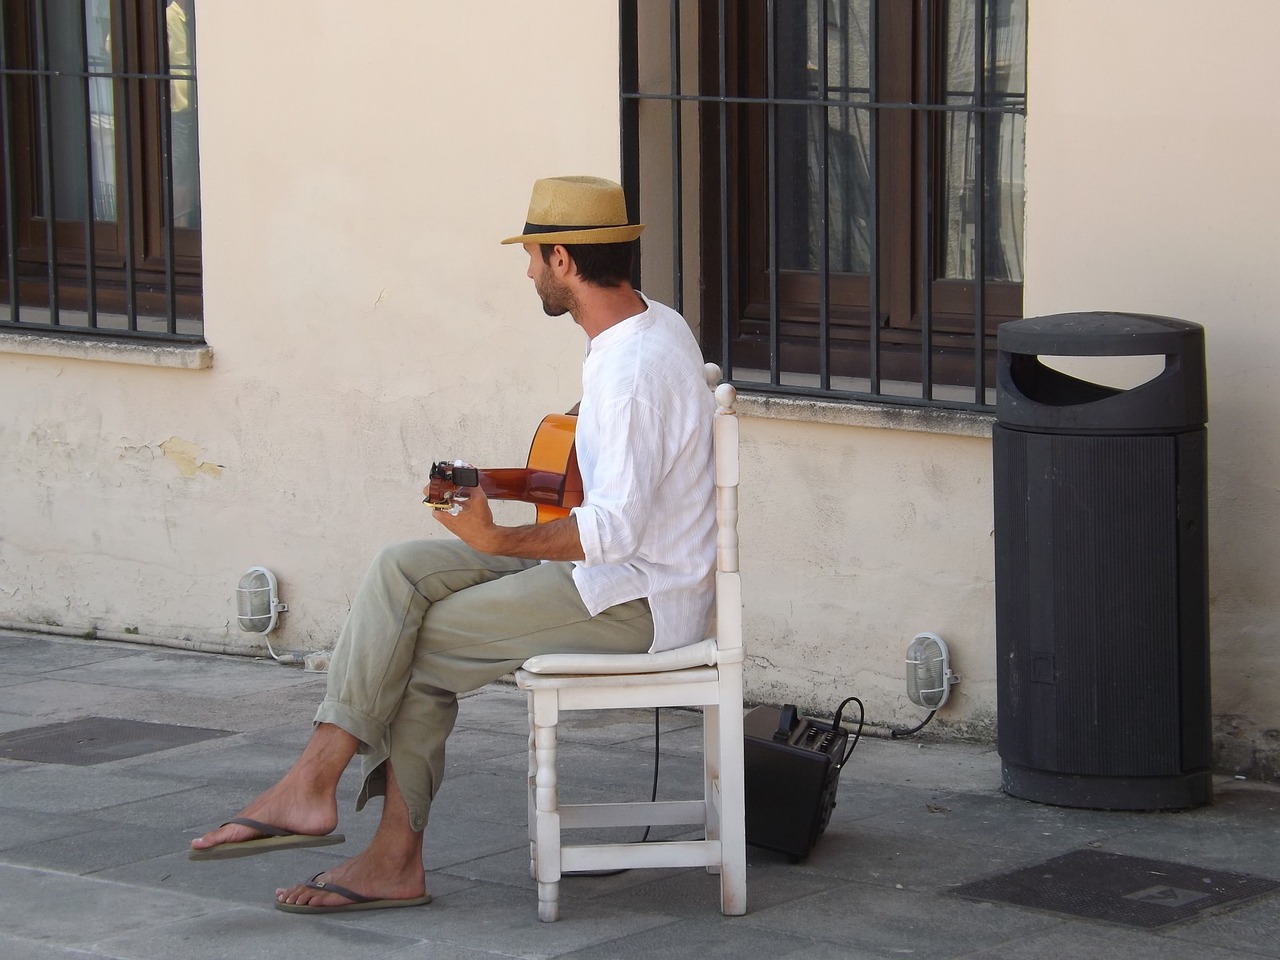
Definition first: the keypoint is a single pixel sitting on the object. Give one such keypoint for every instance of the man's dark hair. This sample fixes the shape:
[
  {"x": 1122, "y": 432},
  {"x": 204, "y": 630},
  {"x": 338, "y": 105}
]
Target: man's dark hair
[{"x": 599, "y": 264}]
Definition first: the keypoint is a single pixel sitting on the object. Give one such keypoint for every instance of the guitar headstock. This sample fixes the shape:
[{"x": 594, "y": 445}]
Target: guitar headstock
[{"x": 447, "y": 477}]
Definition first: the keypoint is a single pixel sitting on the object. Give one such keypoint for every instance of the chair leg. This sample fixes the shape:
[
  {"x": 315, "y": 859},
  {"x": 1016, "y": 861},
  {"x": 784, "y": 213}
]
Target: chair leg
[
  {"x": 733, "y": 810},
  {"x": 711, "y": 774},
  {"x": 547, "y": 809},
  {"x": 533, "y": 811}
]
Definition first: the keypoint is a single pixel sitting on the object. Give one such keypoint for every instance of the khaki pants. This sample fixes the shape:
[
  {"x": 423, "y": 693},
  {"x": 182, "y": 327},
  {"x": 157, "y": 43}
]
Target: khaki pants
[{"x": 435, "y": 618}]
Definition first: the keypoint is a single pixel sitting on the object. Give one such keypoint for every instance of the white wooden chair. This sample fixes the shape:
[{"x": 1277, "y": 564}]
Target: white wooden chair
[{"x": 707, "y": 675}]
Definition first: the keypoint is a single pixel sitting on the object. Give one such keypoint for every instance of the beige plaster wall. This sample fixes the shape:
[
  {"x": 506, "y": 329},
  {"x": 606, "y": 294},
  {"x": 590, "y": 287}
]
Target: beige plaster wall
[
  {"x": 855, "y": 539},
  {"x": 359, "y": 164},
  {"x": 1151, "y": 186}
]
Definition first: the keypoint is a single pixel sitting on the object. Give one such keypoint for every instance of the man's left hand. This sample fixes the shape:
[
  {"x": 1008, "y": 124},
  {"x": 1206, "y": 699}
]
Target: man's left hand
[
  {"x": 473, "y": 525},
  {"x": 473, "y": 522}
]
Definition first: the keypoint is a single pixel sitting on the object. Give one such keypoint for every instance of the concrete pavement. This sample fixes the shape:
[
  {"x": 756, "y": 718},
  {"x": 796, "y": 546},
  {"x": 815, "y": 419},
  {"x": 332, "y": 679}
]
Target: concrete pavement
[{"x": 95, "y": 822}]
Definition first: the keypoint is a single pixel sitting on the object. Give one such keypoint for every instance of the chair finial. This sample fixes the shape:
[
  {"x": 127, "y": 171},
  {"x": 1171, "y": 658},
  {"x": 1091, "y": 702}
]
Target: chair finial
[{"x": 726, "y": 394}]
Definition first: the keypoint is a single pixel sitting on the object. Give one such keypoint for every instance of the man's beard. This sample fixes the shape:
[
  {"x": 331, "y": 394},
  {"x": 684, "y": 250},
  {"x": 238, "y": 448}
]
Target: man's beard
[{"x": 556, "y": 299}]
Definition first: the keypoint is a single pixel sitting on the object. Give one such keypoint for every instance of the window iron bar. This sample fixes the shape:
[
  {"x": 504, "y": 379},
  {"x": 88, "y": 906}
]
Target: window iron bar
[
  {"x": 62, "y": 72},
  {"x": 1016, "y": 106},
  {"x": 166, "y": 169},
  {"x": 824, "y": 239},
  {"x": 44, "y": 110},
  {"x": 677, "y": 164},
  {"x": 980, "y": 196},
  {"x": 873, "y": 321},
  {"x": 125, "y": 211},
  {"x": 771, "y": 151},
  {"x": 628, "y": 77},
  {"x": 10, "y": 177},
  {"x": 726, "y": 331},
  {"x": 925, "y": 126},
  {"x": 90, "y": 208}
]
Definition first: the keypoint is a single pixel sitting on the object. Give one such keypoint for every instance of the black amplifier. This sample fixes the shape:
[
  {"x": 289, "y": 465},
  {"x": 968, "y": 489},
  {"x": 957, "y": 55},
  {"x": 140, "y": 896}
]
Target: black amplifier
[{"x": 793, "y": 766}]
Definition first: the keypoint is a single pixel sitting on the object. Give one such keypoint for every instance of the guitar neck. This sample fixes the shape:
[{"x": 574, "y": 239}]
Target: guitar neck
[{"x": 521, "y": 483}]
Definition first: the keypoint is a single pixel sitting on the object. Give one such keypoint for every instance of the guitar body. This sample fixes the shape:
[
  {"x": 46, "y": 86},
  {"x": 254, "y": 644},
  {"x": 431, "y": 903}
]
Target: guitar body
[
  {"x": 553, "y": 452},
  {"x": 550, "y": 480}
]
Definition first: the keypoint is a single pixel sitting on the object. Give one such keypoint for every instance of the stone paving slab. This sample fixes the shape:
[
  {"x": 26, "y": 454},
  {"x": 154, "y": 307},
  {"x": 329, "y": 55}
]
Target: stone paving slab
[{"x": 93, "y": 864}]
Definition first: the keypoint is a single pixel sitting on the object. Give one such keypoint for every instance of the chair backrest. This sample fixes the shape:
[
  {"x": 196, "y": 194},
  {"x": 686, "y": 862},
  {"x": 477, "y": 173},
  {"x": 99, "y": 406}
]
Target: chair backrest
[{"x": 724, "y": 438}]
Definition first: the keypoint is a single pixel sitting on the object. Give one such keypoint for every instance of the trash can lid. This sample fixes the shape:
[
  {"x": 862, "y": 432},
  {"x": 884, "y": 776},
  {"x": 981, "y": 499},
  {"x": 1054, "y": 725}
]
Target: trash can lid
[
  {"x": 1097, "y": 334},
  {"x": 1033, "y": 395}
]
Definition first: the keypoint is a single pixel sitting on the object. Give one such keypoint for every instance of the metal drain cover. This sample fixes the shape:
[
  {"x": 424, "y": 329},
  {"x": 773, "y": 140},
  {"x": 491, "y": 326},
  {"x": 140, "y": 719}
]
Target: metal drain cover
[
  {"x": 85, "y": 742},
  {"x": 1118, "y": 889}
]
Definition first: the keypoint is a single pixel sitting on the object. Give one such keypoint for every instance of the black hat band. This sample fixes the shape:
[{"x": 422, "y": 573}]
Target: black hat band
[{"x": 564, "y": 228}]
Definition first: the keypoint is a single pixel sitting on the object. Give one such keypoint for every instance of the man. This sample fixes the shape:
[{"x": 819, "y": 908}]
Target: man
[{"x": 629, "y": 570}]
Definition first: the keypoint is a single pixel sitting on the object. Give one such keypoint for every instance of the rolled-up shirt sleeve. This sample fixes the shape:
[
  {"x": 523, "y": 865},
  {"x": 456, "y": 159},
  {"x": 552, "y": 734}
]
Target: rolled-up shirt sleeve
[{"x": 613, "y": 519}]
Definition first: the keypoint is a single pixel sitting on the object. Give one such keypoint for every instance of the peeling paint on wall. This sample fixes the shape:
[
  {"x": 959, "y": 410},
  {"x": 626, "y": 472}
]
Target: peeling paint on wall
[{"x": 186, "y": 456}]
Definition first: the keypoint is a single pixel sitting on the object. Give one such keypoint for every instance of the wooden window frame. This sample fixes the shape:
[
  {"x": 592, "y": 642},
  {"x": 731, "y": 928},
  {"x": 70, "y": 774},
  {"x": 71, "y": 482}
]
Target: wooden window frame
[
  {"x": 811, "y": 331},
  {"x": 136, "y": 266}
]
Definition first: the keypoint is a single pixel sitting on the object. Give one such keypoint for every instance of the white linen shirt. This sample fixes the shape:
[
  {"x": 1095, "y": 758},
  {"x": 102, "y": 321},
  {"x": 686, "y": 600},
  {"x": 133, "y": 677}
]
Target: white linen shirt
[{"x": 647, "y": 521}]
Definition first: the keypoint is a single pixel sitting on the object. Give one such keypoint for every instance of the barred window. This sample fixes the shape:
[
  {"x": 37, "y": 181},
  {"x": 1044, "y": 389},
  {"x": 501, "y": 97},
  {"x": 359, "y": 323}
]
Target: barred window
[
  {"x": 100, "y": 193},
  {"x": 843, "y": 185}
]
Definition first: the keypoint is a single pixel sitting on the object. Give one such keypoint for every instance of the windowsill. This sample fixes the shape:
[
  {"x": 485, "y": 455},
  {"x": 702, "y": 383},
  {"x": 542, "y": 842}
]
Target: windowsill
[
  {"x": 958, "y": 423},
  {"x": 183, "y": 356}
]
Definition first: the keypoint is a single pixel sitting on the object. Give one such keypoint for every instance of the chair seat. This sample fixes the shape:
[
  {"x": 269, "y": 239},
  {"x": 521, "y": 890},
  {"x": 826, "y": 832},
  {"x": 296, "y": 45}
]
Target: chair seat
[
  {"x": 705, "y": 675},
  {"x": 691, "y": 687},
  {"x": 702, "y": 654}
]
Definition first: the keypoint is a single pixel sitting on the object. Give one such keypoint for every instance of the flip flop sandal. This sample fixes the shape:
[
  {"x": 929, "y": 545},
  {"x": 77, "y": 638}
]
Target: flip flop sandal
[
  {"x": 276, "y": 838},
  {"x": 358, "y": 901}
]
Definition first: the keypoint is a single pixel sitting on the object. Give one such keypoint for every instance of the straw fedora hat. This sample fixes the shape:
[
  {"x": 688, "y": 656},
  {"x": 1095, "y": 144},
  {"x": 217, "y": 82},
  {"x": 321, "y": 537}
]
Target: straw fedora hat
[{"x": 577, "y": 210}]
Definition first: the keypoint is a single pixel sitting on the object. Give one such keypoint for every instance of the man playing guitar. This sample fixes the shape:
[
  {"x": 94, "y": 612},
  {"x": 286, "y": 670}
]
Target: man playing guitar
[{"x": 627, "y": 569}]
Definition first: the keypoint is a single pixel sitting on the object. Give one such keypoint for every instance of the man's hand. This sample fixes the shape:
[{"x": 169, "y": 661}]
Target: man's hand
[{"x": 473, "y": 525}]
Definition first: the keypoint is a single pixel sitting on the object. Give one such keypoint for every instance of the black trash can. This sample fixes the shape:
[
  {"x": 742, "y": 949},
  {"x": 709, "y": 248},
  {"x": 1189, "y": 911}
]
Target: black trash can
[{"x": 1102, "y": 635}]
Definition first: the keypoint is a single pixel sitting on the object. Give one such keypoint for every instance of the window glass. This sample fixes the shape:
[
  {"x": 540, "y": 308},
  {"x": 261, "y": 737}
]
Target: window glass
[
  {"x": 984, "y": 151},
  {"x": 825, "y": 54},
  {"x": 179, "y": 26},
  {"x": 79, "y": 46}
]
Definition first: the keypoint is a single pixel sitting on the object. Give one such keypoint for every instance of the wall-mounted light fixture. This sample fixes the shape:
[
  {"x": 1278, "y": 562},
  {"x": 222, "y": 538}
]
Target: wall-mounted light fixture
[
  {"x": 929, "y": 676},
  {"x": 258, "y": 601}
]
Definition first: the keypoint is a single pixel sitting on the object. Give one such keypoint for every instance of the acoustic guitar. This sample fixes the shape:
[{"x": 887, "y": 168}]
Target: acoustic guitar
[{"x": 550, "y": 479}]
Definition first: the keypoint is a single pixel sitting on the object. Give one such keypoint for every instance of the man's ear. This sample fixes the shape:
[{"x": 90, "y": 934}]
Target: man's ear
[{"x": 561, "y": 263}]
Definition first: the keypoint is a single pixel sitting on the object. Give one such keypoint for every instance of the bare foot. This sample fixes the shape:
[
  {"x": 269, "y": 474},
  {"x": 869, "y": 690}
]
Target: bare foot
[
  {"x": 389, "y": 869},
  {"x": 281, "y": 806},
  {"x": 373, "y": 873},
  {"x": 305, "y": 799}
]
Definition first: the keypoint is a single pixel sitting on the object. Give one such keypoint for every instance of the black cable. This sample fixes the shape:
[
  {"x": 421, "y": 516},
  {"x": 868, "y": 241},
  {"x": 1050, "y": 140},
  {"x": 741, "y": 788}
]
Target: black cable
[
  {"x": 835, "y": 725},
  {"x": 653, "y": 797},
  {"x": 653, "y": 794},
  {"x": 895, "y": 734}
]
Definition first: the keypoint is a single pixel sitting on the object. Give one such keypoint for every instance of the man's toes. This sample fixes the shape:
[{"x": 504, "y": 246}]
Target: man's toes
[{"x": 227, "y": 833}]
